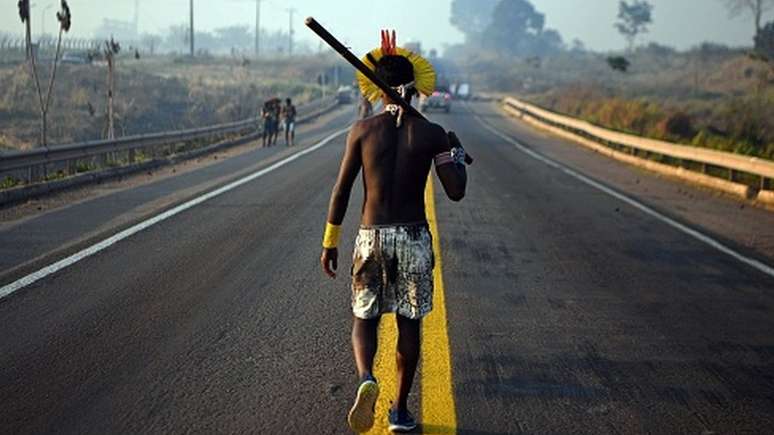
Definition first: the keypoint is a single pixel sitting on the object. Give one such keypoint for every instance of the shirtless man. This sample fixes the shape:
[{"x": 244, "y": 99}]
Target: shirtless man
[
  {"x": 393, "y": 259},
  {"x": 289, "y": 119},
  {"x": 268, "y": 116}
]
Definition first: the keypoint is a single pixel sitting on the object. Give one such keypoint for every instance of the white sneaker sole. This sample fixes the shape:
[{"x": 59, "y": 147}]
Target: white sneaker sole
[
  {"x": 399, "y": 428},
  {"x": 361, "y": 416}
]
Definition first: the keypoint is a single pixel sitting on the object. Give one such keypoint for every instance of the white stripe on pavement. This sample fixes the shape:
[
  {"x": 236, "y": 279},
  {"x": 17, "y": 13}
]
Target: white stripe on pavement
[
  {"x": 765, "y": 268},
  {"x": 94, "y": 249}
]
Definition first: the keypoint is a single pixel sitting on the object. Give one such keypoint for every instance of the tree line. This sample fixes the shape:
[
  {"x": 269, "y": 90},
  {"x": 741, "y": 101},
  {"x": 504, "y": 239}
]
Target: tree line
[{"x": 516, "y": 28}]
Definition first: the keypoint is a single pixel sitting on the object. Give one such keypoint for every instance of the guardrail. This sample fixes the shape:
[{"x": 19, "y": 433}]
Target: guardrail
[
  {"x": 704, "y": 159},
  {"x": 16, "y": 43},
  {"x": 33, "y": 165}
]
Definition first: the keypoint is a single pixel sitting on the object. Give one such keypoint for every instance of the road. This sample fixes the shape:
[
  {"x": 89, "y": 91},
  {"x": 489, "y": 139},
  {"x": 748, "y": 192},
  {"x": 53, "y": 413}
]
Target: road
[{"x": 568, "y": 310}]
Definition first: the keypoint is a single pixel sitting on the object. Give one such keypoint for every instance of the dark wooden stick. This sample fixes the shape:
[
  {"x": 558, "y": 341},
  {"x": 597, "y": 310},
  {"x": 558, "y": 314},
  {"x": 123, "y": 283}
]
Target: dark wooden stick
[{"x": 360, "y": 66}]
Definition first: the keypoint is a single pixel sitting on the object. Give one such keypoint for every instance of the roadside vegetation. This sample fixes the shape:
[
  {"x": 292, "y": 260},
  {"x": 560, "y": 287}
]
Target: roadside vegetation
[
  {"x": 152, "y": 94},
  {"x": 710, "y": 96}
]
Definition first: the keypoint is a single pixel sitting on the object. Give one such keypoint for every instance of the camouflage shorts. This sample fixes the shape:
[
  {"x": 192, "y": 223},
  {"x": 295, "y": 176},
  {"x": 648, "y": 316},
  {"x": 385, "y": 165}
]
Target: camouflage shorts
[{"x": 392, "y": 271}]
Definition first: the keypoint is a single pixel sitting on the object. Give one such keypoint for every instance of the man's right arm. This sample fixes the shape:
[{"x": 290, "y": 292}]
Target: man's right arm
[
  {"x": 453, "y": 175},
  {"x": 350, "y": 167}
]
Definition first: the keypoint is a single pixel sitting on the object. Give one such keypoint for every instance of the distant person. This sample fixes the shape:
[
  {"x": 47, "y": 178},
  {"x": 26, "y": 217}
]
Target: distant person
[
  {"x": 289, "y": 119},
  {"x": 277, "y": 116},
  {"x": 392, "y": 269},
  {"x": 267, "y": 113}
]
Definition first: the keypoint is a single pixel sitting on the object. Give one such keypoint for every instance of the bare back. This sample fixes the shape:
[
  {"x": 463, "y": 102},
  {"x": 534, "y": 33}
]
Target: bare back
[{"x": 396, "y": 163}]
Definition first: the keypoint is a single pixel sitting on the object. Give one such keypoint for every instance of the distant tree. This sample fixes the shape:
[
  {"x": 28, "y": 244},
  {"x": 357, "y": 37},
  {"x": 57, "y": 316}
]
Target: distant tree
[
  {"x": 549, "y": 41},
  {"x": 472, "y": 17},
  {"x": 619, "y": 63},
  {"x": 517, "y": 29},
  {"x": 633, "y": 19},
  {"x": 578, "y": 46},
  {"x": 151, "y": 42},
  {"x": 177, "y": 37},
  {"x": 656, "y": 49},
  {"x": 764, "y": 42},
  {"x": 234, "y": 37},
  {"x": 110, "y": 50},
  {"x": 756, "y": 8},
  {"x": 65, "y": 21}
]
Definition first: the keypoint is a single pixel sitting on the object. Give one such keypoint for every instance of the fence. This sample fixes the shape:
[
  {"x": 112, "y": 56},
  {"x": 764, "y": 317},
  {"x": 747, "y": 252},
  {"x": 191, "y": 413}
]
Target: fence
[{"x": 701, "y": 160}]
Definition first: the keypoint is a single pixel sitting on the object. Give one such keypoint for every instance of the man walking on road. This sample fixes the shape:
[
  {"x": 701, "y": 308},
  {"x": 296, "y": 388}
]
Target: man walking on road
[
  {"x": 269, "y": 121},
  {"x": 393, "y": 260},
  {"x": 289, "y": 120}
]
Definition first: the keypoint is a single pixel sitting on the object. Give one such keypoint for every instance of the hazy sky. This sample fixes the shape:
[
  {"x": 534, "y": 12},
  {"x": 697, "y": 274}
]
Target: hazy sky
[{"x": 681, "y": 23}]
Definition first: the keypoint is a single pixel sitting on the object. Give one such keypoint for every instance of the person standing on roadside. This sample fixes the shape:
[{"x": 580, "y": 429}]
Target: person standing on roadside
[
  {"x": 277, "y": 116},
  {"x": 267, "y": 113},
  {"x": 289, "y": 117}
]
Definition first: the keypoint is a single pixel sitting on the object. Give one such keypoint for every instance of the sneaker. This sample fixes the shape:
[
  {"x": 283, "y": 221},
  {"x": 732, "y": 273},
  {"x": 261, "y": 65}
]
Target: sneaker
[
  {"x": 401, "y": 421},
  {"x": 361, "y": 416}
]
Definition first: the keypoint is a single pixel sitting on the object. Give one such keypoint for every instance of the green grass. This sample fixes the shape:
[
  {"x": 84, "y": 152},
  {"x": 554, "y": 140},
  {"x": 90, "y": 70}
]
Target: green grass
[{"x": 9, "y": 182}]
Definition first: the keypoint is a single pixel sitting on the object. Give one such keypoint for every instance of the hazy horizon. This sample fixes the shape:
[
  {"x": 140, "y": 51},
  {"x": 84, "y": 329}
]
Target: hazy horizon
[{"x": 357, "y": 23}]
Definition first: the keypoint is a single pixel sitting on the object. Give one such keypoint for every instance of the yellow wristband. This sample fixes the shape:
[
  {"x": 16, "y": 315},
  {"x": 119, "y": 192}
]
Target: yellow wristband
[{"x": 331, "y": 237}]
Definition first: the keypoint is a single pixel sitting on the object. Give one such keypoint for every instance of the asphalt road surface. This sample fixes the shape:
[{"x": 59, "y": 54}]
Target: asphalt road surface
[{"x": 568, "y": 309}]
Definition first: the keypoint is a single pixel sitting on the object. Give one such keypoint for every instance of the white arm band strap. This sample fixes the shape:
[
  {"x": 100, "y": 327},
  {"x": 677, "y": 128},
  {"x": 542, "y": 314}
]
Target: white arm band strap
[
  {"x": 455, "y": 155},
  {"x": 443, "y": 159}
]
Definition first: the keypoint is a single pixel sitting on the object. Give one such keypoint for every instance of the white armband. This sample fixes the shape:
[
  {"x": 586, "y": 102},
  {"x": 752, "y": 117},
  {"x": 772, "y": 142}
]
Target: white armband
[
  {"x": 455, "y": 155},
  {"x": 443, "y": 159}
]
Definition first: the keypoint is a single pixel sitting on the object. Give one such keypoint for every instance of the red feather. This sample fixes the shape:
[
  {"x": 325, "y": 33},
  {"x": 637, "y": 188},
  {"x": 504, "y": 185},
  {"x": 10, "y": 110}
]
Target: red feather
[{"x": 389, "y": 43}]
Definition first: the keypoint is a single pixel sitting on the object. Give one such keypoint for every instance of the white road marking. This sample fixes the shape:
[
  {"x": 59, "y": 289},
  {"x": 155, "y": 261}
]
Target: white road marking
[
  {"x": 765, "y": 268},
  {"x": 100, "y": 246}
]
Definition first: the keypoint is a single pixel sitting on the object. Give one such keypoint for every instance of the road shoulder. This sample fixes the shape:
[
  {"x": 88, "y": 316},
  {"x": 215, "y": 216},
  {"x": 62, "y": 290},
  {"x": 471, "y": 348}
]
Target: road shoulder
[{"x": 725, "y": 217}]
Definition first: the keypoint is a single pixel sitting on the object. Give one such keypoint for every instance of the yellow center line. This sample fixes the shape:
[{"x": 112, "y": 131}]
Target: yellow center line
[
  {"x": 385, "y": 367},
  {"x": 438, "y": 414},
  {"x": 438, "y": 409}
]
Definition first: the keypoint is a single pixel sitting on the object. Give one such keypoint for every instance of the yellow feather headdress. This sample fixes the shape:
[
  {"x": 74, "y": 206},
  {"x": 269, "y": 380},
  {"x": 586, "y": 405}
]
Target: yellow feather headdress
[{"x": 424, "y": 73}]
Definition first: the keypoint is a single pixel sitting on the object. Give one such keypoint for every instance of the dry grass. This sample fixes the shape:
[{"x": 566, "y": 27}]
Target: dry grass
[
  {"x": 715, "y": 97},
  {"x": 155, "y": 94}
]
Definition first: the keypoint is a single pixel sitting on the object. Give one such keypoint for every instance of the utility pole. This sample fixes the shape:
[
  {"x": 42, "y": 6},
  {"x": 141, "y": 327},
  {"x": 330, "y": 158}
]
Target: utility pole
[
  {"x": 137, "y": 19},
  {"x": 193, "y": 53},
  {"x": 257, "y": 29},
  {"x": 291, "y": 12}
]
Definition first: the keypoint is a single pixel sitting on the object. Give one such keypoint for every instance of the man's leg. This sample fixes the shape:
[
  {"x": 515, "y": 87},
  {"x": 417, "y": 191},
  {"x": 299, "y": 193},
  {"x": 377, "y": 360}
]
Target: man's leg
[
  {"x": 364, "y": 341},
  {"x": 407, "y": 358},
  {"x": 365, "y": 335},
  {"x": 287, "y": 134}
]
